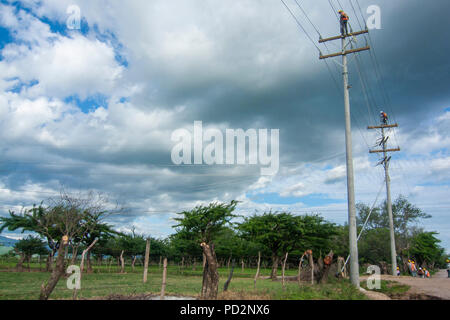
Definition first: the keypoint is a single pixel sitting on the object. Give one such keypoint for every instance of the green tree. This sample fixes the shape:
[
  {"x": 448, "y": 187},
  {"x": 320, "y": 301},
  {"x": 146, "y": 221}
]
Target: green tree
[
  {"x": 425, "y": 249},
  {"x": 283, "y": 232},
  {"x": 133, "y": 245},
  {"x": 202, "y": 225},
  {"x": 95, "y": 229},
  {"x": 35, "y": 220},
  {"x": 406, "y": 217},
  {"x": 375, "y": 246},
  {"x": 27, "y": 247}
]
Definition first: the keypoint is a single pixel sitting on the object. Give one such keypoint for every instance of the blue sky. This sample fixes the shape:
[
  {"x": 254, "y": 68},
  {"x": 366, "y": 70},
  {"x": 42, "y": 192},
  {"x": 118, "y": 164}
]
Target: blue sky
[{"x": 95, "y": 108}]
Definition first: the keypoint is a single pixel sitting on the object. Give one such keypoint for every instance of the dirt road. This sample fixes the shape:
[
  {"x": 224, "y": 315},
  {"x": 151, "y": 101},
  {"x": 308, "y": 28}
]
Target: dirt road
[{"x": 438, "y": 286}]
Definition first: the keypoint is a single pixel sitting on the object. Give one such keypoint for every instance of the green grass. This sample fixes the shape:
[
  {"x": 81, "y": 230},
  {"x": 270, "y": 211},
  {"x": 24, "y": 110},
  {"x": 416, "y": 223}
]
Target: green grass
[
  {"x": 101, "y": 283},
  {"x": 390, "y": 288}
]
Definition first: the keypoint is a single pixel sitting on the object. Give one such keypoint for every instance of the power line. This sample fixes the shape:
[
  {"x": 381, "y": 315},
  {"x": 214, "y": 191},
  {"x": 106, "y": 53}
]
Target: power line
[{"x": 301, "y": 26}]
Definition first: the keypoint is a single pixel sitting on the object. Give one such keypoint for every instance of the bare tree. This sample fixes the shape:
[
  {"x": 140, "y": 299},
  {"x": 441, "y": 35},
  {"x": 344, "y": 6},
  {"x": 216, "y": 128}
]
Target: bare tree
[{"x": 72, "y": 217}]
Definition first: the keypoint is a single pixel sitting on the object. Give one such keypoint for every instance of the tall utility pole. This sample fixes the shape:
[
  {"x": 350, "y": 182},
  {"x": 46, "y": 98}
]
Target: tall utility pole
[
  {"x": 385, "y": 162},
  {"x": 354, "y": 265}
]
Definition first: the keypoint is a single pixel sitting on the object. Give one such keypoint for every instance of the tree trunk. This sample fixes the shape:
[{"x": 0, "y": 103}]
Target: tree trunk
[
  {"x": 300, "y": 269},
  {"x": 340, "y": 266},
  {"x": 57, "y": 272},
  {"x": 163, "y": 286},
  {"x": 19, "y": 266},
  {"x": 283, "y": 270},
  {"x": 122, "y": 263},
  {"x": 86, "y": 251},
  {"x": 147, "y": 256},
  {"x": 82, "y": 263},
  {"x": 132, "y": 263},
  {"x": 257, "y": 270},
  {"x": 204, "y": 261},
  {"x": 74, "y": 255},
  {"x": 49, "y": 262},
  {"x": 275, "y": 260},
  {"x": 228, "y": 262},
  {"x": 88, "y": 262},
  {"x": 227, "y": 283},
  {"x": 194, "y": 264},
  {"x": 210, "y": 283},
  {"x": 311, "y": 265},
  {"x": 324, "y": 272},
  {"x": 242, "y": 264}
]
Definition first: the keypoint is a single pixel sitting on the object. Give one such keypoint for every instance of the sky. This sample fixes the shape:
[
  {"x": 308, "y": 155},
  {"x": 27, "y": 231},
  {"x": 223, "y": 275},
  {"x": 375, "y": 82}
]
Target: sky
[{"x": 95, "y": 107}]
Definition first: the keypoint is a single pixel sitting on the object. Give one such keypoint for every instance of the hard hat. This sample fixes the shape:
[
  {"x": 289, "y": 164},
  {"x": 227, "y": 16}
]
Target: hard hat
[
  {"x": 381, "y": 112},
  {"x": 340, "y": 11}
]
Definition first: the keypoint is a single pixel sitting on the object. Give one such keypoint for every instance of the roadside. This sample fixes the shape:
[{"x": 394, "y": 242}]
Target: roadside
[{"x": 435, "y": 288}]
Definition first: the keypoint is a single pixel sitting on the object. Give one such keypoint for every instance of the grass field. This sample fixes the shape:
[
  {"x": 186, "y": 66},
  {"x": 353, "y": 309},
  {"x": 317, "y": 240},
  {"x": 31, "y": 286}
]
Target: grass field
[
  {"x": 390, "y": 288},
  {"x": 105, "y": 282},
  {"x": 4, "y": 250}
]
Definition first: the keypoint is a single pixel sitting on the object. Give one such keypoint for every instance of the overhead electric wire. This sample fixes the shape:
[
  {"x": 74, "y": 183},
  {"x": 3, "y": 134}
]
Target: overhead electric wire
[
  {"x": 378, "y": 74},
  {"x": 356, "y": 15},
  {"x": 326, "y": 47},
  {"x": 370, "y": 105},
  {"x": 334, "y": 79},
  {"x": 301, "y": 26}
]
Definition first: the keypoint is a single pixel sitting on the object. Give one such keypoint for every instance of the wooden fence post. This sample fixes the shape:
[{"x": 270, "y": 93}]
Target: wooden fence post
[
  {"x": 147, "y": 255},
  {"x": 122, "y": 263},
  {"x": 163, "y": 286},
  {"x": 257, "y": 270},
  {"x": 300, "y": 269},
  {"x": 283, "y": 270},
  {"x": 227, "y": 283},
  {"x": 82, "y": 264},
  {"x": 311, "y": 264}
]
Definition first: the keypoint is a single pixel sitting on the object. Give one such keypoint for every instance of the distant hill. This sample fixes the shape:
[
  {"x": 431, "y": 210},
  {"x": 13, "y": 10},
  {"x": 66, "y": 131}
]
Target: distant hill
[{"x": 7, "y": 242}]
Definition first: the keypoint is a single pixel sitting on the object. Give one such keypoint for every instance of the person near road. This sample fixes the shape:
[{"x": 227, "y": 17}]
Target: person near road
[
  {"x": 413, "y": 269},
  {"x": 448, "y": 268},
  {"x": 420, "y": 272},
  {"x": 398, "y": 271}
]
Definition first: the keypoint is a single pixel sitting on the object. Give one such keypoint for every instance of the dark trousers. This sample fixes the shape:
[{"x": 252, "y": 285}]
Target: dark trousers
[{"x": 344, "y": 28}]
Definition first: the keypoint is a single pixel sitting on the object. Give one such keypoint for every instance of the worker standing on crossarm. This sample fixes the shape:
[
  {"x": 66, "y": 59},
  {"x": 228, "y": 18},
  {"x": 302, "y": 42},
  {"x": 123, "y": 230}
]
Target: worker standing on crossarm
[
  {"x": 384, "y": 117},
  {"x": 344, "y": 23}
]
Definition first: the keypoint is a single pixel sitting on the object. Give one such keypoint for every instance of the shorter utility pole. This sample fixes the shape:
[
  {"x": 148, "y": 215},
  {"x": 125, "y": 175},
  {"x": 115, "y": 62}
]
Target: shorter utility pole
[{"x": 385, "y": 162}]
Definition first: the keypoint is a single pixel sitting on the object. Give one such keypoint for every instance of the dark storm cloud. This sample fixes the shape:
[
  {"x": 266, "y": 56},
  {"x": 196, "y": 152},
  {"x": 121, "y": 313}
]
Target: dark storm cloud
[{"x": 293, "y": 93}]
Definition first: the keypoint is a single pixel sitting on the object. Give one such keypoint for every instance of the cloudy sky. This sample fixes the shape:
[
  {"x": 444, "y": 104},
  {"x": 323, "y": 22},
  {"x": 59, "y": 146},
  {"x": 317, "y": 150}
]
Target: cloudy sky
[{"x": 94, "y": 108}]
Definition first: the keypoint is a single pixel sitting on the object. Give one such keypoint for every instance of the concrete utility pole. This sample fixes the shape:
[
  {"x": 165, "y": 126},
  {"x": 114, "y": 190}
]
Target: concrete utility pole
[
  {"x": 385, "y": 162},
  {"x": 353, "y": 242}
]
